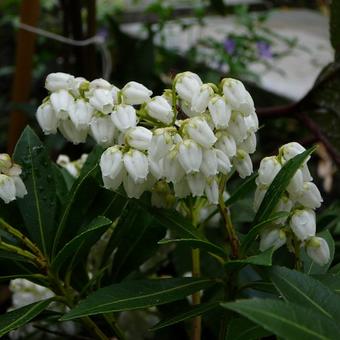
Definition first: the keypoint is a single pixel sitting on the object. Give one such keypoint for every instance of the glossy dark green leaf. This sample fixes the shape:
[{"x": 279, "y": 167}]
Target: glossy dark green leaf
[
  {"x": 137, "y": 294},
  {"x": 306, "y": 291},
  {"x": 77, "y": 249},
  {"x": 244, "y": 329},
  {"x": 186, "y": 315},
  {"x": 38, "y": 206},
  {"x": 278, "y": 186},
  {"x": 330, "y": 280},
  {"x": 286, "y": 320},
  {"x": 21, "y": 316}
]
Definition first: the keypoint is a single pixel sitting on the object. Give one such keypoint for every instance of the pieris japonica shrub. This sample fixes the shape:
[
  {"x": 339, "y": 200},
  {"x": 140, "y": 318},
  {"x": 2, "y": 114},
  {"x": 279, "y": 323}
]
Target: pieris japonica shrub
[{"x": 149, "y": 220}]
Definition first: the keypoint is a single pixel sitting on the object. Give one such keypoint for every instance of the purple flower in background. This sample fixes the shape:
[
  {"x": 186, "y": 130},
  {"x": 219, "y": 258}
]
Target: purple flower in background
[
  {"x": 264, "y": 50},
  {"x": 229, "y": 45}
]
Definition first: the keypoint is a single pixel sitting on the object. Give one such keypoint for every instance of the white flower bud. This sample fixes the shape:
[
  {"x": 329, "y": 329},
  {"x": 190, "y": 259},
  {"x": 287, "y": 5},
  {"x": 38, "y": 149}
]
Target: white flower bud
[
  {"x": 82, "y": 114},
  {"x": 65, "y": 162},
  {"x": 220, "y": 112},
  {"x": 303, "y": 224},
  {"x": 111, "y": 162},
  {"x": 290, "y": 150},
  {"x": 71, "y": 133},
  {"x": 269, "y": 168},
  {"x": 138, "y": 138},
  {"x": 318, "y": 250},
  {"x": 5, "y": 162},
  {"x": 211, "y": 190},
  {"x": 137, "y": 165},
  {"x": 252, "y": 122},
  {"x": 161, "y": 143},
  {"x": 159, "y": 109},
  {"x": 7, "y": 188},
  {"x": 115, "y": 94},
  {"x": 20, "y": 188},
  {"x": 223, "y": 162},
  {"x": 124, "y": 117},
  {"x": 237, "y": 127},
  {"x": 243, "y": 163},
  {"x": 186, "y": 108},
  {"x": 237, "y": 96},
  {"x": 156, "y": 167},
  {"x": 310, "y": 196},
  {"x": 285, "y": 205},
  {"x": 201, "y": 99},
  {"x": 47, "y": 118},
  {"x": 190, "y": 156},
  {"x": 102, "y": 130},
  {"x": 181, "y": 188},
  {"x": 272, "y": 238},
  {"x": 196, "y": 182},
  {"x": 99, "y": 84},
  {"x": 249, "y": 144},
  {"x": 199, "y": 130},
  {"x": 78, "y": 84},
  {"x": 133, "y": 189},
  {"x": 135, "y": 93},
  {"x": 173, "y": 170},
  {"x": 209, "y": 166},
  {"x": 260, "y": 192},
  {"x": 113, "y": 183},
  {"x": 226, "y": 143},
  {"x": 306, "y": 174},
  {"x": 102, "y": 100},
  {"x": 187, "y": 84},
  {"x": 62, "y": 103},
  {"x": 295, "y": 185},
  {"x": 59, "y": 81}
]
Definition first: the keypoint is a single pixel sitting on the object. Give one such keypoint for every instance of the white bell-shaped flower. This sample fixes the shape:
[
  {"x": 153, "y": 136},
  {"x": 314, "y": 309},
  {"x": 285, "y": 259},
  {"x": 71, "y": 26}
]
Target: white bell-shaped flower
[
  {"x": 7, "y": 188},
  {"x": 223, "y": 162},
  {"x": 173, "y": 171},
  {"x": 237, "y": 127},
  {"x": 186, "y": 108},
  {"x": 249, "y": 144},
  {"x": 20, "y": 188},
  {"x": 199, "y": 130},
  {"x": 99, "y": 83},
  {"x": 47, "y": 118},
  {"x": 272, "y": 238},
  {"x": 82, "y": 114},
  {"x": 182, "y": 188},
  {"x": 226, "y": 143},
  {"x": 237, "y": 96},
  {"x": 62, "y": 103},
  {"x": 290, "y": 150},
  {"x": 5, "y": 162},
  {"x": 102, "y": 130},
  {"x": 133, "y": 189},
  {"x": 71, "y": 133},
  {"x": 285, "y": 204},
  {"x": 59, "y": 81},
  {"x": 159, "y": 109},
  {"x": 295, "y": 185},
  {"x": 115, "y": 92},
  {"x": 196, "y": 182},
  {"x": 190, "y": 156},
  {"x": 211, "y": 190},
  {"x": 269, "y": 168},
  {"x": 201, "y": 99},
  {"x": 161, "y": 143},
  {"x": 111, "y": 162},
  {"x": 137, "y": 165},
  {"x": 318, "y": 250},
  {"x": 307, "y": 177},
  {"x": 310, "y": 196},
  {"x": 243, "y": 163},
  {"x": 102, "y": 100},
  {"x": 252, "y": 122},
  {"x": 156, "y": 167},
  {"x": 209, "y": 166},
  {"x": 80, "y": 84},
  {"x": 113, "y": 183},
  {"x": 124, "y": 117},
  {"x": 138, "y": 138},
  {"x": 303, "y": 224},
  {"x": 260, "y": 192},
  {"x": 135, "y": 93},
  {"x": 187, "y": 84},
  {"x": 220, "y": 112}
]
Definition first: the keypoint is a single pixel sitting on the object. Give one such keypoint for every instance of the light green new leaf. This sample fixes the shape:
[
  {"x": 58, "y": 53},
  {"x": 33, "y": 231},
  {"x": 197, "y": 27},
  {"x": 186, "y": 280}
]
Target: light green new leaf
[
  {"x": 286, "y": 320},
  {"x": 137, "y": 294},
  {"x": 21, "y": 316},
  {"x": 306, "y": 291},
  {"x": 38, "y": 206}
]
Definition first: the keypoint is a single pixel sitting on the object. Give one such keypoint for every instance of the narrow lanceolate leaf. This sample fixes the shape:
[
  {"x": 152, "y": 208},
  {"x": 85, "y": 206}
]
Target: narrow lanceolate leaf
[
  {"x": 75, "y": 250},
  {"x": 330, "y": 280},
  {"x": 138, "y": 294},
  {"x": 186, "y": 315},
  {"x": 306, "y": 291},
  {"x": 278, "y": 186},
  {"x": 244, "y": 329},
  {"x": 38, "y": 206},
  {"x": 286, "y": 320},
  {"x": 21, "y": 316}
]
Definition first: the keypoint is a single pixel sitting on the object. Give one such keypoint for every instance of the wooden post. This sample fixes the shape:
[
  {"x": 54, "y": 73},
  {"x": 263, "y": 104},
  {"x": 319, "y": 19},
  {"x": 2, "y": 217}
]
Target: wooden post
[{"x": 21, "y": 87}]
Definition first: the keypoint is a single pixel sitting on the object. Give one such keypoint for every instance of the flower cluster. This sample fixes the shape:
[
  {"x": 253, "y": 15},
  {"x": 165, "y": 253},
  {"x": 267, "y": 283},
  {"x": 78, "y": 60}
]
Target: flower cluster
[
  {"x": 300, "y": 200},
  {"x": 11, "y": 185},
  {"x": 175, "y": 144},
  {"x": 72, "y": 167}
]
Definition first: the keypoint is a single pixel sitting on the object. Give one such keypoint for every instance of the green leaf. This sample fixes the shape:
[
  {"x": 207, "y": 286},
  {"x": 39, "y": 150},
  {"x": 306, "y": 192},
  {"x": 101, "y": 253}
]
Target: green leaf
[
  {"x": 286, "y": 320},
  {"x": 244, "y": 329},
  {"x": 330, "y": 280},
  {"x": 306, "y": 291},
  {"x": 278, "y": 186},
  {"x": 129, "y": 295},
  {"x": 21, "y": 316},
  {"x": 77, "y": 249},
  {"x": 38, "y": 206},
  {"x": 186, "y": 315}
]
